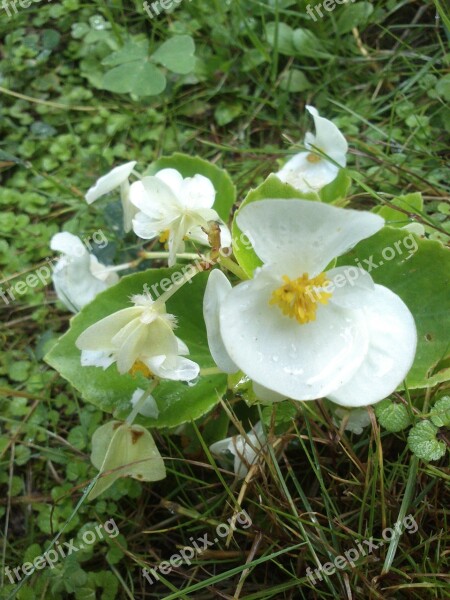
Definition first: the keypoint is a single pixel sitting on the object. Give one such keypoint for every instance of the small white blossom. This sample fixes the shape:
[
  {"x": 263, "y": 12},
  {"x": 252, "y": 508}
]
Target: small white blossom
[
  {"x": 175, "y": 209},
  {"x": 78, "y": 276},
  {"x": 245, "y": 449},
  {"x": 139, "y": 339},
  {"x": 310, "y": 171}
]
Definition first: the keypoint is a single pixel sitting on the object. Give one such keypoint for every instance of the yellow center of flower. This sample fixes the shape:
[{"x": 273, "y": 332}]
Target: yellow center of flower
[
  {"x": 313, "y": 158},
  {"x": 140, "y": 367},
  {"x": 299, "y": 298},
  {"x": 163, "y": 238}
]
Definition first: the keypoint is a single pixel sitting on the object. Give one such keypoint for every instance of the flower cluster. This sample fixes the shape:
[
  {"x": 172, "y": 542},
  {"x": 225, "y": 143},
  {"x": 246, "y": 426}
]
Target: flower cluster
[{"x": 288, "y": 325}]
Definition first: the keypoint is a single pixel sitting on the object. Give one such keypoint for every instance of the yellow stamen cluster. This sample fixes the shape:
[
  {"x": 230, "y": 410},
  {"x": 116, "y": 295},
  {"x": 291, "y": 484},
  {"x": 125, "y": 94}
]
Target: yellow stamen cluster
[
  {"x": 299, "y": 298},
  {"x": 164, "y": 237},
  {"x": 313, "y": 158},
  {"x": 140, "y": 367}
]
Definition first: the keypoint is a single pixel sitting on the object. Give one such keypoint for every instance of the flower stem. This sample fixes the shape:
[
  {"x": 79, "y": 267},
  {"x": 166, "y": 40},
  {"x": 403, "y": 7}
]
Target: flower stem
[
  {"x": 233, "y": 267},
  {"x": 183, "y": 255},
  {"x": 178, "y": 284},
  {"x": 211, "y": 371},
  {"x": 139, "y": 404}
]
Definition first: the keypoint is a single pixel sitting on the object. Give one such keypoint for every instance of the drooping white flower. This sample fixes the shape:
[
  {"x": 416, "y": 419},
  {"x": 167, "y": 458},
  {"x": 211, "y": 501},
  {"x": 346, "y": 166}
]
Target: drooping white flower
[
  {"x": 78, "y": 276},
  {"x": 306, "y": 332},
  {"x": 175, "y": 209},
  {"x": 311, "y": 170},
  {"x": 139, "y": 339},
  {"x": 245, "y": 449},
  {"x": 118, "y": 177}
]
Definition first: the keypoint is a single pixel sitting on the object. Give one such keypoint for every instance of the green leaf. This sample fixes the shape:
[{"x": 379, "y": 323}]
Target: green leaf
[
  {"x": 418, "y": 270},
  {"x": 294, "y": 81},
  {"x": 443, "y": 87},
  {"x": 271, "y": 188},
  {"x": 353, "y": 15},
  {"x": 226, "y": 112},
  {"x": 392, "y": 416},
  {"x": 177, "y": 54},
  {"x": 140, "y": 78},
  {"x": 280, "y": 37},
  {"x": 422, "y": 441},
  {"x": 336, "y": 192},
  {"x": 177, "y": 402},
  {"x": 129, "y": 53},
  {"x": 412, "y": 203},
  {"x": 189, "y": 166},
  {"x": 307, "y": 44},
  {"x": 122, "y": 450},
  {"x": 440, "y": 413}
]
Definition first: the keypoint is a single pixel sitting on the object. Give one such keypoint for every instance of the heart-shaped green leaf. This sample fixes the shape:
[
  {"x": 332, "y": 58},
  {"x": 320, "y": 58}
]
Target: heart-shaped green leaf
[
  {"x": 177, "y": 54},
  {"x": 177, "y": 402},
  {"x": 139, "y": 77},
  {"x": 130, "y": 52},
  {"x": 423, "y": 442}
]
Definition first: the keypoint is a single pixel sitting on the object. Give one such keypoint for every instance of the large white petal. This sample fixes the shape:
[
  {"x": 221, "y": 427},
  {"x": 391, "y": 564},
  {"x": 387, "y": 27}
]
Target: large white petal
[
  {"x": 328, "y": 138},
  {"x": 302, "y": 236},
  {"x": 110, "y": 181},
  {"x": 173, "y": 179},
  {"x": 345, "y": 281},
  {"x": 99, "y": 335},
  {"x": 155, "y": 198},
  {"x": 217, "y": 289},
  {"x": 392, "y": 347},
  {"x": 300, "y": 361},
  {"x": 97, "y": 358},
  {"x": 176, "y": 368},
  {"x": 197, "y": 192},
  {"x": 148, "y": 228}
]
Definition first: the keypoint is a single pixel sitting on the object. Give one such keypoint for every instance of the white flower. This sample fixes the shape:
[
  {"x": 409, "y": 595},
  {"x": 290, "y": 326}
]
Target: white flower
[
  {"x": 118, "y": 177},
  {"x": 310, "y": 171},
  {"x": 175, "y": 209},
  {"x": 245, "y": 449},
  {"x": 78, "y": 276},
  {"x": 305, "y": 332},
  {"x": 138, "y": 339}
]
